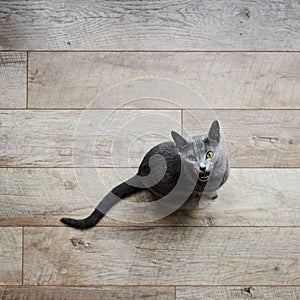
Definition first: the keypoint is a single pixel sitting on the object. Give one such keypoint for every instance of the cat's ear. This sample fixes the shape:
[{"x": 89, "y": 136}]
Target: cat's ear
[
  {"x": 179, "y": 141},
  {"x": 214, "y": 132}
]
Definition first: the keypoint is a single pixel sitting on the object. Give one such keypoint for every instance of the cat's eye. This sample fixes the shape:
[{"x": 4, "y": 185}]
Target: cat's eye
[
  {"x": 209, "y": 154},
  {"x": 192, "y": 158}
]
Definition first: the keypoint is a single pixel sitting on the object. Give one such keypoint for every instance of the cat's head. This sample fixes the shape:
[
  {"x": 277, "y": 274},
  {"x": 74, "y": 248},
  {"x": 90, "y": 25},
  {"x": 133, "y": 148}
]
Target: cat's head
[{"x": 200, "y": 154}]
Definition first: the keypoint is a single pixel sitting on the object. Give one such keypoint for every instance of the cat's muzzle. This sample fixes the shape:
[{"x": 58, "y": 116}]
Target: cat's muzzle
[{"x": 203, "y": 176}]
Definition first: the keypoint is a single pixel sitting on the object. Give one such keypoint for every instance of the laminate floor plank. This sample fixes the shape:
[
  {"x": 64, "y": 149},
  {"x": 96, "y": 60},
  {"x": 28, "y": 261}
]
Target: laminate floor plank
[
  {"x": 121, "y": 138},
  {"x": 251, "y": 197},
  {"x": 164, "y": 256},
  {"x": 138, "y": 80},
  {"x": 184, "y": 25}
]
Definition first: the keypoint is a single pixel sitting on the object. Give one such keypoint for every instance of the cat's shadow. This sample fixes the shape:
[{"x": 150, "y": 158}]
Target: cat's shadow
[{"x": 183, "y": 215}]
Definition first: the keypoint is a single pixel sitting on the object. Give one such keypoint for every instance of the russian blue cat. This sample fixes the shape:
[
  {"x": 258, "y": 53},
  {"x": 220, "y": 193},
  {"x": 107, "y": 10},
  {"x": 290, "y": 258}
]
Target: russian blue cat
[{"x": 172, "y": 171}]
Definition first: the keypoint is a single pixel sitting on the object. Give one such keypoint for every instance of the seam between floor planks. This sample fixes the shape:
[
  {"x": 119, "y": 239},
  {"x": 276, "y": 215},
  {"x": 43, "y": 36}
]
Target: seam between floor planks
[
  {"x": 27, "y": 79},
  {"x": 122, "y": 167},
  {"x": 144, "y": 108},
  {"x": 149, "y": 51},
  {"x": 143, "y": 226},
  {"x": 149, "y": 285},
  {"x": 23, "y": 255}
]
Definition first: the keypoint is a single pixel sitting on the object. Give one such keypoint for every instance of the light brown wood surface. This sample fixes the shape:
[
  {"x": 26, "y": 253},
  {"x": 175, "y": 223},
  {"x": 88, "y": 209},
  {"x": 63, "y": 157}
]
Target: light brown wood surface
[
  {"x": 13, "y": 79},
  {"x": 155, "y": 25},
  {"x": 88, "y": 87},
  {"x": 237, "y": 293},
  {"x": 161, "y": 256},
  {"x": 224, "y": 79},
  {"x": 10, "y": 255},
  {"x": 103, "y": 293},
  {"x": 251, "y": 197},
  {"x": 255, "y": 138}
]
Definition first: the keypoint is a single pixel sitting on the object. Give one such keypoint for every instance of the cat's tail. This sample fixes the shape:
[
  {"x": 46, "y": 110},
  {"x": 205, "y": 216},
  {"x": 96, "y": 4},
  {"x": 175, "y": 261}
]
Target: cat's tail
[{"x": 112, "y": 198}]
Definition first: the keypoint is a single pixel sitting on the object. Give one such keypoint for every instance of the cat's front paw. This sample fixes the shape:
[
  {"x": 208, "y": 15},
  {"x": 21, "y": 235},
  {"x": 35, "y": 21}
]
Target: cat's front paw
[{"x": 213, "y": 195}]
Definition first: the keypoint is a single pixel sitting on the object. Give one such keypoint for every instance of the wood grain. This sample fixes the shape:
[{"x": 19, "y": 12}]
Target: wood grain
[
  {"x": 13, "y": 67},
  {"x": 84, "y": 139},
  {"x": 251, "y": 197},
  {"x": 103, "y": 293},
  {"x": 256, "y": 138},
  {"x": 155, "y": 25},
  {"x": 237, "y": 293},
  {"x": 225, "y": 80},
  {"x": 121, "y": 138},
  {"x": 10, "y": 255},
  {"x": 164, "y": 256}
]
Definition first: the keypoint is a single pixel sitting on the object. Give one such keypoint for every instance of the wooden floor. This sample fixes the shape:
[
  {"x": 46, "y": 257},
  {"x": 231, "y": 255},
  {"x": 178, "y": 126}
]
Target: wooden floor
[{"x": 243, "y": 57}]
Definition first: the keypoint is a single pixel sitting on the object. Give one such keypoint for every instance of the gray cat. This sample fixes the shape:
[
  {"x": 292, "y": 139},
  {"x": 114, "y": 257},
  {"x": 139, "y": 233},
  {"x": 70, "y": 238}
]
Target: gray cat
[{"x": 173, "y": 172}]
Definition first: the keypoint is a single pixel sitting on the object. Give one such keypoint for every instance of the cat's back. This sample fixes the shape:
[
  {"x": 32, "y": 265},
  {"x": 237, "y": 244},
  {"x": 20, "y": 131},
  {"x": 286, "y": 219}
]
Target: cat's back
[{"x": 168, "y": 151}]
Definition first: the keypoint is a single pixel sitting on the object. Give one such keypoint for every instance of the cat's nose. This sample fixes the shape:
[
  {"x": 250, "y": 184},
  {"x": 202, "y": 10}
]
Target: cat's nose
[{"x": 203, "y": 169}]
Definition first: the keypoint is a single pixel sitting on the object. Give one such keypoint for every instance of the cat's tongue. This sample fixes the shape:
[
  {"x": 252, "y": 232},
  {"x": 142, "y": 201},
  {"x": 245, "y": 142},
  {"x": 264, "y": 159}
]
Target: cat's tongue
[{"x": 195, "y": 172}]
